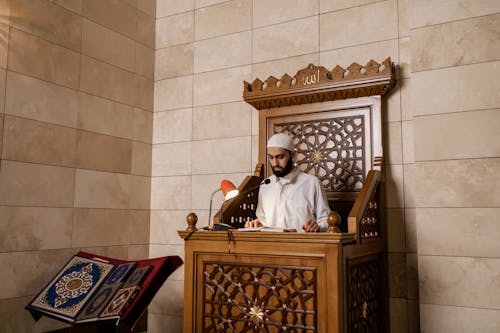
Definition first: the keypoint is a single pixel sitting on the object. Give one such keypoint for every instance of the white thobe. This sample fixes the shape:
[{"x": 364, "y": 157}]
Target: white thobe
[{"x": 290, "y": 201}]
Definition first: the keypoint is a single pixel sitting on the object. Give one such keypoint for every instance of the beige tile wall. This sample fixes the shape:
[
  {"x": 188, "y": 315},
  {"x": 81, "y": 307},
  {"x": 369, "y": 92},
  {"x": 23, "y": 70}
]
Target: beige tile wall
[
  {"x": 76, "y": 101},
  {"x": 453, "y": 99},
  {"x": 203, "y": 131}
]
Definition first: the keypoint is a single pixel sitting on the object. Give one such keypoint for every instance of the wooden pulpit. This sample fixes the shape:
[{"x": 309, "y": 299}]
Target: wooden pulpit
[{"x": 240, "y": 281}]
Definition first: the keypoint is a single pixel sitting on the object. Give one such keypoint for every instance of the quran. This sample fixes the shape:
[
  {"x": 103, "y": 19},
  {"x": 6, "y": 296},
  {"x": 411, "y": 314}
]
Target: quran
[{"x": 95, "y": 288}]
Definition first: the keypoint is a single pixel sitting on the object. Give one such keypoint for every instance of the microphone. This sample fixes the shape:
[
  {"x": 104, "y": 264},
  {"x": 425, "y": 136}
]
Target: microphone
[{"x": 264, "y": 182}]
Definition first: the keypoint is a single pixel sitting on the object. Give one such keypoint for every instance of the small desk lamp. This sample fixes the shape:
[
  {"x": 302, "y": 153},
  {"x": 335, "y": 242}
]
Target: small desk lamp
[{"x": 229, "y": 191}]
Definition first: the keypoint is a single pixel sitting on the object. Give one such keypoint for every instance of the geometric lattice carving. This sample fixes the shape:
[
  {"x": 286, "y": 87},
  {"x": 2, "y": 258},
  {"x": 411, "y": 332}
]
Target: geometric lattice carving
[
  {"x": 365, "y": 304},
  {"x": 246, "y": 209},
  {"x": 332, "y": 149},
  {"x": 259, "y": 298}
]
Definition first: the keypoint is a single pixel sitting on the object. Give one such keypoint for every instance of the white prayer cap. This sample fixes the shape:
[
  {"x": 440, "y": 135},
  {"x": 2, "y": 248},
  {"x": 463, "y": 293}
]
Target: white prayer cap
[{"x": 281, "y": 140}]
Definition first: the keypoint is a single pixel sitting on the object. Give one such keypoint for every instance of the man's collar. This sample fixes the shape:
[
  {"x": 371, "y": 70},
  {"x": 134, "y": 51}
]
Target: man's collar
[{"x": 289, "y": 178}]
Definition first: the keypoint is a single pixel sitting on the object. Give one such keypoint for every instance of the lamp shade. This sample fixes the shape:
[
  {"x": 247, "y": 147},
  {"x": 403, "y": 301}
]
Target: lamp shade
[{"x": 228, "y": 189}]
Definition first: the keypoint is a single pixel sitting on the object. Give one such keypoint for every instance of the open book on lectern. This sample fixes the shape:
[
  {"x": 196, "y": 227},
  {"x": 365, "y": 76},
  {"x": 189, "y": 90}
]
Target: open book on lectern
[{"x": 95, "y": 288}]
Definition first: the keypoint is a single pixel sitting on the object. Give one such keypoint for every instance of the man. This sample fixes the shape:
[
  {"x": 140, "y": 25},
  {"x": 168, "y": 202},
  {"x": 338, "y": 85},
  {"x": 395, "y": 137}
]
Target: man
[{"x": 293, "y": 199}]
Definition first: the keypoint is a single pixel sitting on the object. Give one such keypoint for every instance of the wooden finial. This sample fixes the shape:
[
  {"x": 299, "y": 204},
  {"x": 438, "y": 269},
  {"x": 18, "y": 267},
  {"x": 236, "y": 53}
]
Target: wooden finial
[
  {"x": 191, "y": 220},
  {"x": 333, "y": 221}
]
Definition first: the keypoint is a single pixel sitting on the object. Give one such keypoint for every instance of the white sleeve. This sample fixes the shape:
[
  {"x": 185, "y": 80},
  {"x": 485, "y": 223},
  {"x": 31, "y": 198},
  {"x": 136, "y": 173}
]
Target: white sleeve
[
  {"x": 260, "y": 210},
  {"x": 322, "y": 208}
]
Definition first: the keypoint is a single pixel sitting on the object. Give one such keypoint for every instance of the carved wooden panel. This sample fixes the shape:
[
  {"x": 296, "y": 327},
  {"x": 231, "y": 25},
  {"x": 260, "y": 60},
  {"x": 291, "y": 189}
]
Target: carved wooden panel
[
  {"x": 370, "y": 224},
  {"x": 259, "y": 298},
  {"x": 365, "y": 312},
  {"x": 334, "y": 146},
  {"x": 317, "y": 84}
]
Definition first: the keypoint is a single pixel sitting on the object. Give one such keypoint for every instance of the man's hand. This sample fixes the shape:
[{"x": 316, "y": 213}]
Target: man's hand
[
  {"x": 253, "y": 224},
  {"x": 311, "y": 226}
]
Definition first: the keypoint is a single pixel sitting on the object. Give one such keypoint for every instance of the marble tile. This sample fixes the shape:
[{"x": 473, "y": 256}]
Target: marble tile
[
  {"x": 171, "y": 7},
  {"x": 103, "y": 116},
  {"x": 4, "y": 30},
  {"x": 443, "y": 184},
  {"x": 221, "y": 19},
  {"x": 362, "y": 54},
  {"x": 456, "y": 43},
  {"x": 221, "y": 86},
  {"x": 441, "y": 137},
  {"x": 164, "y": 223},
  {"x": 35, "y": 99},
  {"x": 35, "y": 185},
  {"x": 359, "y": 25},
  {"x": 211, "y": 122},
  {"x": 408, "y": 142},
  {"x": 255, "y": 151},
  {"x": 103, "y": 152},
  {"x": 449, "y": 92},
  {"x": 1, "y": 132},
  {"x": 398, "y": 281},
  {"x": 205, "y": 185},
  {"x": 398, "y": 315},
  {"x": 24, "y": 273},
  {"x": 158, "y": 322},
  {"x": 171, "y": 192},
  {"x": 138, "y": 252},
  {"x": 146, "y": 29},
  {"x": 456, "y": 281},
  {"x": 139, "y": 226},
  {"x": 393, "y": 143},
  {"x": 95, "y": 189},
  {"x": 48, "y": 21},
  {"x": 35, "y": 57},
  {"x": 170, "y": 300},
  {"x": 73, "y": 5},
  {"x": 112, "y": 14},
  {"x": 335, "y": 5},
  {"x": 394, "y": 186},
  {"x": 412, "y": 275},
  {"x": 464, "y": 228},
  {"x": 442, "y": 318},
  {"x": 221, "y": 155},
  {"x": 404, "y": 17},
  {"x": 174, "y": 30},
  {"x": 104, "y": 80},
  {"x": 33, "y": 141},
  {"x": 411, "y": 230},
  {"x": 223, "y": 52},
  {"x": 272, "y": 12},
  {"x": 278, "y": 68},
  {"x": 174, "y": 61},
  {"x": 35, "y": 228},
  {"x": 100, "y": 227},
  {"x": 176, "y": 93},
  {"x": 148, "y": 6},
  {"x": 404, "y": 67},
  {"x": 406, "y": 99},
  {"x": 413, "y": 316},
  {"x": 205, "y": 3},
  {"x": 285, "y": 40},
  {"x": 3, "y": 80},
  {"x": 145, "y": 93},
  {"x": 429, "y": 12},
  {"x": 391, "y": 105},
  {"x": 141, "y": 158},
  {"x": 395, "y": 230},
  {"x": 172, "y": 126},
  {"x": 144, "y": 61},
  {"x": 108, "y": 46},
  {"x": 14, "y": 318},
  {"x": 410, "y": 182},
  {"x": 172, "y": 159},
  {"x": 142, "y": 125}
]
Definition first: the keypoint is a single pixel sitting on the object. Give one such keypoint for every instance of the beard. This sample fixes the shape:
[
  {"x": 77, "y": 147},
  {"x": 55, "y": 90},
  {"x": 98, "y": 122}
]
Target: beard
[{"x": 285, "y": 171}]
